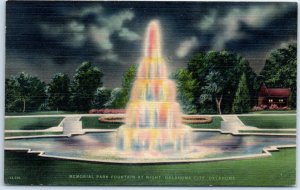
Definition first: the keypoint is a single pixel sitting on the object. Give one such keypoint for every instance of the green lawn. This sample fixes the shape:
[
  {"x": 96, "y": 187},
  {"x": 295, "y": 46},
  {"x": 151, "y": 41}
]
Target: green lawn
[
  {"x": 270, "y": 122},
  {"x": 93, "y": 123},
  {"x": 215, "y": 124},
  {"x": 42, "y": 113},
  {"x": 31, "y": 123},
  {"x": 268, "y": 131},
  {"x": 273, "y": 112},
  {"x": 28, "y": 169},
  {"x": 31, "y": 133}
]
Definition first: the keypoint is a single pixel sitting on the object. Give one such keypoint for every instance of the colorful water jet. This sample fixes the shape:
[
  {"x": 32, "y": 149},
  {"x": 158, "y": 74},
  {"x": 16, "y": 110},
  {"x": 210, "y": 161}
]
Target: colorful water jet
[{"x": 153, "y": 117}]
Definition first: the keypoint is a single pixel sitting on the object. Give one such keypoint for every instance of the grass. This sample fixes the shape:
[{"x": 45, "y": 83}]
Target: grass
[
  {"x": 267, "y": 131},
  {"x": 42, "y": 113},
  {"x": 31, "y": 133},
  {"x": 28, "y": 169},
  {"x": 270, "y": 122},
  {"x": 31, "y": 123},
  {"x": 93, "y": 123},
  {"x": 274, "y": 112},
  {"x": 215, "y": 124}
]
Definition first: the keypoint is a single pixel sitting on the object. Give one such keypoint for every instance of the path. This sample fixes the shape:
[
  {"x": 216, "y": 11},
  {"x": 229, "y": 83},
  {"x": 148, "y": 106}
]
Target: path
[{"x": 232, "y": 118}]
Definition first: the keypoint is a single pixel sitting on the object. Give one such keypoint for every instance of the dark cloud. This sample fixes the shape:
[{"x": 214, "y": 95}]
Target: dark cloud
[{"x": 44, "y": 38}]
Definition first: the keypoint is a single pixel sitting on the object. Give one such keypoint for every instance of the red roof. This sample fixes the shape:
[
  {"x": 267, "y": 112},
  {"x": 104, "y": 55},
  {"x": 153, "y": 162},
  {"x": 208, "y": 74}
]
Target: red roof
[
  {"x": 274, "y": 92},
  {"x": 279, "y": 92}
]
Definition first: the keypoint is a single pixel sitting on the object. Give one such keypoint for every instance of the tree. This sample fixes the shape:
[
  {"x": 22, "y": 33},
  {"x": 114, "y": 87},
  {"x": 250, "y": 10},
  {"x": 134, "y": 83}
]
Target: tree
[
  {"x": 58, "y": 92},
  {"x": 127, "y": 83},
  {"x": 213, "y": 91},
  {"x": 11, "y": 95},
  {"x": 280, "y": 70},
  {"x": 185, "y": 87},
  {"x": 120, "y": 96},
  {"x": 115, "y": 99},
  {"x": 86, "y": 81},
  {"x": 241, "y": 102},
  {"x": 101, "y": 97},
  {"x": 24, "y": 93},
  {"x": 217, "y": 75}
]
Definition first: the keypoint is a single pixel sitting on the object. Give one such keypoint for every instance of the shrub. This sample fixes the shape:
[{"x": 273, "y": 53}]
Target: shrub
[
  {"x": 273, "y": 107},
  {"x": 257, "y": 108},
  {"x": 285, "y": 108},
  {"x": 93, "y": 111}
]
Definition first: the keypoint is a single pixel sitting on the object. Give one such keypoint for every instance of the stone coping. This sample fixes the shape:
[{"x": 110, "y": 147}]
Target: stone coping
[
  {"x": 35, "y": 136},
  {"x": 192, "y": 129},
  {"x": 239, "y": 133}
]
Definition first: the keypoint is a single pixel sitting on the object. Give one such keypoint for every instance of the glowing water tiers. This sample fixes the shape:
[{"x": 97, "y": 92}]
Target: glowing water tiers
[{"x": 153, "y": 117}]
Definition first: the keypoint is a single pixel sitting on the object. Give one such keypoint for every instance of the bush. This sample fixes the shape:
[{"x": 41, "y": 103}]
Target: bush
[
  {"x": 259, "y": 108},
  {"x": 271, "y": 107},
  {"x": 285, "y": 108},
  {"x": 275, "y": 107}
]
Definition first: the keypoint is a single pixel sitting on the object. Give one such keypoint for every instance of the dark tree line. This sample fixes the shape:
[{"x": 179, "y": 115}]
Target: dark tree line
[
  {"x": 214, "y": 79},
  {"x": 24, "y": 93},
  {"x": 27, "y": 93},
  {"x": 213, "y": 82},
  {"x": 223, "y": 82}
]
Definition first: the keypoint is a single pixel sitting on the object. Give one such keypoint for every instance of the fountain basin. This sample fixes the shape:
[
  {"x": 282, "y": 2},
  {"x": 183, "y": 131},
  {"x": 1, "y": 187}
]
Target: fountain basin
[{"x": 101, "y": 147}]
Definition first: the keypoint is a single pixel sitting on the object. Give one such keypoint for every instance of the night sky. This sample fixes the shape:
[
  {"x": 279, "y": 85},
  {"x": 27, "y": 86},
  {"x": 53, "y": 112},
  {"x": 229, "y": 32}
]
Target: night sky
[{"x": 44, "y": 38}]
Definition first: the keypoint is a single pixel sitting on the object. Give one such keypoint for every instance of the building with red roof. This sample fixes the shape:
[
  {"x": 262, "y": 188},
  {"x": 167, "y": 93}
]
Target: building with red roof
[{"x": 269, "y": 96}]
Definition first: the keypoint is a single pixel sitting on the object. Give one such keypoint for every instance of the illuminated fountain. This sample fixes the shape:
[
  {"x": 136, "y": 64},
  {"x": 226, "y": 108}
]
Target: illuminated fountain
[{"x": 153, "y": 117}]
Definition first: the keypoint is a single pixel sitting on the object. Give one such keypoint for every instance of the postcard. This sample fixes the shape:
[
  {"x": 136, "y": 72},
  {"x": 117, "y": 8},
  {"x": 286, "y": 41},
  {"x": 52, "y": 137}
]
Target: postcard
[{"x": 142, "y": 93}]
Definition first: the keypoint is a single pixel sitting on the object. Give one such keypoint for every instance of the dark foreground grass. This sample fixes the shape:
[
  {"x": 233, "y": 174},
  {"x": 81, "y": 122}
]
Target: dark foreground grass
[
  {"x": 31, "y": 133},
  {"x": 215, "y": 124},
  {"x": 31, "y": 123},
  {"x": 28, "y": 169},
  {"x": 270, "y": 122},
  {"x": 93, "y": 123}
]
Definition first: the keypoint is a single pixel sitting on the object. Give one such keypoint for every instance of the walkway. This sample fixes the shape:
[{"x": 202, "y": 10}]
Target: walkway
[{"x": 232, "y": 118}]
